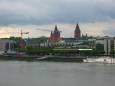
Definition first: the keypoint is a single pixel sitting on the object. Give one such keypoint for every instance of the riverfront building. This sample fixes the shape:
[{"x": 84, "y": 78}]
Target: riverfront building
[
  {"x": 55, "y": 35},
  {"x": 106, "y": 44},
  {"x": 77, "y": 33},
  {"x": 102, "y": 44},
  {"x": 55, "y": 40},
  {"x": 6, "y": 46}
]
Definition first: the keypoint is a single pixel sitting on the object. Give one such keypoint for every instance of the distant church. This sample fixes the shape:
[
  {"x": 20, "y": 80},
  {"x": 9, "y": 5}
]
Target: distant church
[
  {"x": 77, "y": 33},
  {"x": 55, "y": 35}
]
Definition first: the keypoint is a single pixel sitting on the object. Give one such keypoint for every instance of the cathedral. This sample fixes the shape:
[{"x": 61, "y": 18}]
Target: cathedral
[
  {"x": 55, "y": 35},
  {"x": 77, "y": 33}
]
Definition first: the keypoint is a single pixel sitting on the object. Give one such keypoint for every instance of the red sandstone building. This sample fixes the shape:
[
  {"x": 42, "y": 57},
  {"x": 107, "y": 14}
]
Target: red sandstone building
[
  {"x": 55, "y": 35},
  {"x": 77, "y": 32}
]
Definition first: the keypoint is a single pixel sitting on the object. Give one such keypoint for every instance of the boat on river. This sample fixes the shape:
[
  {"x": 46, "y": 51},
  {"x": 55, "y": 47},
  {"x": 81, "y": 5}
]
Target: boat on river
[{"x": 104, "y": 59}]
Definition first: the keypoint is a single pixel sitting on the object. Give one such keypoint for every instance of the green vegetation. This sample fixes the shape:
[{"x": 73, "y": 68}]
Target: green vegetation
[
  {"x": 62, "y": 51},
  {"x": 31, "y": 50}
]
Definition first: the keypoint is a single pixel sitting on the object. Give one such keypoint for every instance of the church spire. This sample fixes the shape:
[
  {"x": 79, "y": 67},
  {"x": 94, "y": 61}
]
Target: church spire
[
  {"x": 56, "y": 28},
  {"x": 77, "y": 32},
  {"x": 51, "y": 33},
  {"x": 77, "y": 29},
  {"x": 55, "y": 35}
]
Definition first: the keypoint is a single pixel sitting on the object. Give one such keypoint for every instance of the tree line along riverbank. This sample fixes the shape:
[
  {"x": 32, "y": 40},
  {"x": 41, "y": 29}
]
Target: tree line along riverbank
[{"x": 63, "y": 51}]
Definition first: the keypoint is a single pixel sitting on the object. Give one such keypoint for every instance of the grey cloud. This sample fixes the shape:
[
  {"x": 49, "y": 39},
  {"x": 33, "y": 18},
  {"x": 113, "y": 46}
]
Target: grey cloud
[
  {"x": 110, "y": 31},
  {"x": 53, "y": 11}
]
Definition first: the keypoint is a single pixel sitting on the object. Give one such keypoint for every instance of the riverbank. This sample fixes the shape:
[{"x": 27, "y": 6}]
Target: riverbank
[{"x": 54, "y": 58}]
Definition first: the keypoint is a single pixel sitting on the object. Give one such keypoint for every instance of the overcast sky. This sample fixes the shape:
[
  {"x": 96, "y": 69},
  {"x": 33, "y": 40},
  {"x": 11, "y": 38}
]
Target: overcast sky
[{"x": 95, "y": 17}]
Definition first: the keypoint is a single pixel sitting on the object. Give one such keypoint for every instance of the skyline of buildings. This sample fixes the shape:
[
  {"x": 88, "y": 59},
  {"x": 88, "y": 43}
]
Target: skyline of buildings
[
  {"x": 78, "y": 41},
  {"x": 55, "y": 35}
]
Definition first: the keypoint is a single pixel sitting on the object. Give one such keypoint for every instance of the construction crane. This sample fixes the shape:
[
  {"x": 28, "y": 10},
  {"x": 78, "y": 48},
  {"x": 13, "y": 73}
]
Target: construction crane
[{"x": 22, "y": 33}]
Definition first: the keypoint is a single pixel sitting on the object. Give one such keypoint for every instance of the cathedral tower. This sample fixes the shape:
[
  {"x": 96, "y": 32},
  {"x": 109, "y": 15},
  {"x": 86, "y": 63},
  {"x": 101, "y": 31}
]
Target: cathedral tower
[
  {"x": 77, "y": 32},
  {"x": 55, "y": 35}
]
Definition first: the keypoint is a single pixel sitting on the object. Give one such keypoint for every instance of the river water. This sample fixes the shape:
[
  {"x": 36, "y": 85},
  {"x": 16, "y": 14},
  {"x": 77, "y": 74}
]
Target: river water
[{"x": 19, "y": 73}]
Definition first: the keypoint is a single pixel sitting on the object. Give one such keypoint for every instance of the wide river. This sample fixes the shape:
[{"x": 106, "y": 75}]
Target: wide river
[{"x": 19, "y": 73}]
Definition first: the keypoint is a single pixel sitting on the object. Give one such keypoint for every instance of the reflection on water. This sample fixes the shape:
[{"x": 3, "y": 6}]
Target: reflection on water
[{"x": 16, "y": 73}]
